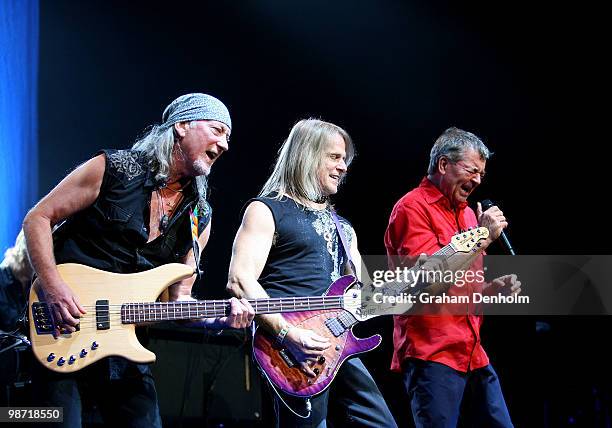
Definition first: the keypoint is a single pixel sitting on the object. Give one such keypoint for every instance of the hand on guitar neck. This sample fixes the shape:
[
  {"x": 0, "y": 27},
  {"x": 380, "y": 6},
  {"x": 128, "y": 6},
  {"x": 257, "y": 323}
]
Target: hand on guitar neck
[{"x": 240, "y": 315}]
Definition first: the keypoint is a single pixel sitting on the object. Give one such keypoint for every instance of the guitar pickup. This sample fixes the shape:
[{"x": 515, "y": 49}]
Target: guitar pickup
[
  {"x": 42, "y": 318},
  {"x": 287, "y": 358},
  {"x": 102, "y": 315},
  {"x": 334, "y": 325}
]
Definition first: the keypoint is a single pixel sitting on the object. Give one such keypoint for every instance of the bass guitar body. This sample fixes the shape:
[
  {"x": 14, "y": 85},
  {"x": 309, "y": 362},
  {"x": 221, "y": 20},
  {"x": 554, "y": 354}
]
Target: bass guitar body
[{"x": 103, "y": 330}]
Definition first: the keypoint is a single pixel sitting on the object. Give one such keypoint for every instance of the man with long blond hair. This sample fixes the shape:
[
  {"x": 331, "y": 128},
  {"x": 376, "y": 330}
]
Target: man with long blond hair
[{"x": 288, "y": 245}]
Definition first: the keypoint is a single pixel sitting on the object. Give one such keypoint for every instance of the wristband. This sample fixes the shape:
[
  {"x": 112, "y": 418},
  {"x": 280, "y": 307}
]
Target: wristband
[{"x": 280, "y": 337}]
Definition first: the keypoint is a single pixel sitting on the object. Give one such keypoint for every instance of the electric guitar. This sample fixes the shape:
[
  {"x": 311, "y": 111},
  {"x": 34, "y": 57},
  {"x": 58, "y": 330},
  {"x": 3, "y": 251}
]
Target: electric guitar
[
  {"x": 348, "y": 305},
  {"x": 115, "y": 303}
]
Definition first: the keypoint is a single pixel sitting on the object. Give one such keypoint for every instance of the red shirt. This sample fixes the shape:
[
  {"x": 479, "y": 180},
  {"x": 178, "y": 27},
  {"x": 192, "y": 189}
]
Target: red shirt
[{"x": 423, "y": 221}]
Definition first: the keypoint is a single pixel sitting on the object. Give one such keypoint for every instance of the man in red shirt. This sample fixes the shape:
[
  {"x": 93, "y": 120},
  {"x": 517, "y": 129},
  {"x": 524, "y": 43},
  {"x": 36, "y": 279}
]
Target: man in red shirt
[{"x": 441, "y": 356}]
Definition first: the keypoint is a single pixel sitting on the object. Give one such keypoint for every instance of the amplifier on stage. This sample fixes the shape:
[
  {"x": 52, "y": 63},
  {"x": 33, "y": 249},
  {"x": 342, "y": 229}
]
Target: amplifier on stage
[
  {"x": 15, "y": 378},
  {"x": 204, "y": 378}
]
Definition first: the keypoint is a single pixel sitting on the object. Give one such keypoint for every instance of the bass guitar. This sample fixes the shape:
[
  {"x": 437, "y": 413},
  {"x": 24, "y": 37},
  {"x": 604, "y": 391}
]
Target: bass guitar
[{"x": 116, "y": 303}]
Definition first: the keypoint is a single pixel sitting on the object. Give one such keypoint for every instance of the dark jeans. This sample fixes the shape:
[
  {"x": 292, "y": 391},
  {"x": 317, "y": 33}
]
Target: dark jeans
[
  {"x": 436, "y": 391},
  {"x": 353, "y": 399},
  {"x": 130, "y": 401}
]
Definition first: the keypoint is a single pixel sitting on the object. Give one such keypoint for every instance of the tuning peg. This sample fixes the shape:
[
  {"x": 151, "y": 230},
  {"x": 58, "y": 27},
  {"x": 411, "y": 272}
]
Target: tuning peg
[
  {"x": 51, "y": 357},
  {"x": 61, "y": 361}
]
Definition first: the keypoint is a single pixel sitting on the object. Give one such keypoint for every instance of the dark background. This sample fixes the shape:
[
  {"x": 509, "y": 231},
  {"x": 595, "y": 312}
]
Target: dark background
[{"x": 526, "y": 78}]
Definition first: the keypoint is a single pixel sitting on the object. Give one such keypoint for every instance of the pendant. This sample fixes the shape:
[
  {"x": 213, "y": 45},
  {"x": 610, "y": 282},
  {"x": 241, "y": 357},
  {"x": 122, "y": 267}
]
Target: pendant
[{"x": 163, "y": 223}]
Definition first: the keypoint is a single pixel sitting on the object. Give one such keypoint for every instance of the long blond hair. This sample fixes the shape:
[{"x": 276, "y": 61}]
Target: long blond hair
[
  {"x": 301, "y": 156},
  {"x": 17, "y": 260}
]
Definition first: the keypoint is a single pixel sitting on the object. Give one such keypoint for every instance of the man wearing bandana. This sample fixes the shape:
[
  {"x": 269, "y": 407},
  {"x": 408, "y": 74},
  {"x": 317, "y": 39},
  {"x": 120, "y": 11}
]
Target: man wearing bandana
[{"x": 128, "y": 211}]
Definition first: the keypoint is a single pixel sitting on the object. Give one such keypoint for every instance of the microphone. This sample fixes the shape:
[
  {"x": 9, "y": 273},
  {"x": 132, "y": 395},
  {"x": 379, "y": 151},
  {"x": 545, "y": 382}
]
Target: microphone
[{"x": 486, "y": 204}]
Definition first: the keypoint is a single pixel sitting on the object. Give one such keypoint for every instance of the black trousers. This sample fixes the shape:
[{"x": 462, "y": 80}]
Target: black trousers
[
  {"x": 352, "y": 400},
  {"x": 130, "y": 401}
]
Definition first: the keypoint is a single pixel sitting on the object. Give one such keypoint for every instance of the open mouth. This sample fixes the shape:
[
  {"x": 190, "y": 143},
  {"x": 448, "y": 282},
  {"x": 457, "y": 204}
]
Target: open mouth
[
  {"x": 211, "y": 155},
  {"x": 335, "y": 177},
  {"x": 466, "y": 188}
]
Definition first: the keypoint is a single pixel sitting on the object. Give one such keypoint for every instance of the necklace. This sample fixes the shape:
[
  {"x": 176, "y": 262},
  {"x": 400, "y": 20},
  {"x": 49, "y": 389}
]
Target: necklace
[
  {"x": 165, "y": 203},
  {"x": 320, "y": 200},
  {"x": 172, "y": 189}
]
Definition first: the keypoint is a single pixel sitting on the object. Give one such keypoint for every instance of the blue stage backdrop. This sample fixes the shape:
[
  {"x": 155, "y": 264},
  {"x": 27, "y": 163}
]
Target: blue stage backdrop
[{"x": 18, "y": 114}]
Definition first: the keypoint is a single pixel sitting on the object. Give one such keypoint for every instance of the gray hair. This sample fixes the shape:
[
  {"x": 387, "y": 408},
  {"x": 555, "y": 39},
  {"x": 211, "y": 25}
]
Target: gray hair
[
  {"x": 453, "y": 144},
  {"x": 301, "y": 156},
  {"x": 158, "y": 142},
  {"x": 157, "y": 145}
]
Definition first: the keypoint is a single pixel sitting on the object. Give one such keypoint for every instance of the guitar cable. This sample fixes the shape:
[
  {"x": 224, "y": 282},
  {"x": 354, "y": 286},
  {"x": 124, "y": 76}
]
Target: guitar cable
[
  {"x": 18, "y": 337},
  {"x": 16, "y": 334}
]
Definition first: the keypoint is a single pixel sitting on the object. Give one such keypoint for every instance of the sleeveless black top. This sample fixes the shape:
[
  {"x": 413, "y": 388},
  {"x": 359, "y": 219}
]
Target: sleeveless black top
[
  {"x": 112, "y": 233},
  {"x": 306, "y": 254}
]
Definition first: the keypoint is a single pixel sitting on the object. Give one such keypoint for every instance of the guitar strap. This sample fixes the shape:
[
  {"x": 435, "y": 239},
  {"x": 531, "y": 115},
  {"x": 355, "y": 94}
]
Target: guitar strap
[
  {"x": 193, "y": 218},
  {"x": 345, "y": 246}
]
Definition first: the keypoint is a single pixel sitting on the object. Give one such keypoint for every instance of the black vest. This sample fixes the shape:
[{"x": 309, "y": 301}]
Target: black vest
[
  {"x": 112, "y": 233},
  {"x": 306, "y": 254}
]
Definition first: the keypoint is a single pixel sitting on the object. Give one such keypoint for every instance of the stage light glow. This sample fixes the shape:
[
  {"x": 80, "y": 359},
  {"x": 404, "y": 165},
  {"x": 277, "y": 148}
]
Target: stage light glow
[{"x": 19, "y": 31}]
